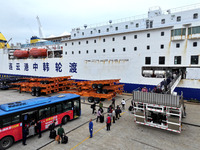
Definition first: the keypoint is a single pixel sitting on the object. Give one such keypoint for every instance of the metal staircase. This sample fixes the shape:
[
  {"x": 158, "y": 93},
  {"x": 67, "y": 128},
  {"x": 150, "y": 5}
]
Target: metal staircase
[{"x": 173, "y": 84}]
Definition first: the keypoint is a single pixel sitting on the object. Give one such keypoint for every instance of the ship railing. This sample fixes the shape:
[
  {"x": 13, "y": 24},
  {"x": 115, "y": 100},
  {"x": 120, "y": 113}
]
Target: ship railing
[
  {"x": 133, "y": 18},
  {"x": 143, "y": 16},
  {"x": 39, "y": 44},
  {"x": 184, "y": 8},
  {"x": 156, "y": 98}
]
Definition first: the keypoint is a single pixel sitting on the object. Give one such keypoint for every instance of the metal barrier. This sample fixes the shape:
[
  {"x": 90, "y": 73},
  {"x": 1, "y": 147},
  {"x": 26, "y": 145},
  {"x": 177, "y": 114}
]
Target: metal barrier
[{"x": 155, "y": 98}]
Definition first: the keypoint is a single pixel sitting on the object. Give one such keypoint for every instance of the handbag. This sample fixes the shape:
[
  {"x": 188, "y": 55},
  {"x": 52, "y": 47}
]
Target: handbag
[{"x": 57, "y": 138}]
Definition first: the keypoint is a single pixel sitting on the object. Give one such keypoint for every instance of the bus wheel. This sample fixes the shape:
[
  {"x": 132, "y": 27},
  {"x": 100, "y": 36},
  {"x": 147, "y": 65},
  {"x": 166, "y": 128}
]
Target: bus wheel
[
  {"x": 64, "y": 120},
  {"x": 6, "y": 142}
]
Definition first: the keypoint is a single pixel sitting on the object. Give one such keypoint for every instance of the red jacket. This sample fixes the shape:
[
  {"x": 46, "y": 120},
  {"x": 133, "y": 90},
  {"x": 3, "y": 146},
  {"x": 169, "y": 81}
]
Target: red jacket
[{"x": 108, "y": 119}]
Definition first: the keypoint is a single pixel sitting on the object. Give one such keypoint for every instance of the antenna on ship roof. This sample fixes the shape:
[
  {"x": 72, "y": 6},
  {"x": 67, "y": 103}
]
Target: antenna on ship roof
[
  {"x": 169, "y": 11},
  {"x": 110, "y": 21},
  {"x": 40, "y": 28}
]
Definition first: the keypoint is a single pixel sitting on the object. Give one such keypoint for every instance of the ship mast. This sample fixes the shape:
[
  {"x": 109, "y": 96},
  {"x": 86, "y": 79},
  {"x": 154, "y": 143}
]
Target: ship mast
[{"x": 40, "y": 28}]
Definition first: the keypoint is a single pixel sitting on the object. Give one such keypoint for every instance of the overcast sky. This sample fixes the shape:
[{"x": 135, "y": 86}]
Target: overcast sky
[{"x": 18, "y": 17}]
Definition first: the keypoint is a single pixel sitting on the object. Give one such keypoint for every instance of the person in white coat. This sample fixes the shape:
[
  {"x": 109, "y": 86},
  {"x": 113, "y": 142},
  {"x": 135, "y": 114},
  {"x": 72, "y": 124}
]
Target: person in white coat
[{"x": 123, "y": 104}]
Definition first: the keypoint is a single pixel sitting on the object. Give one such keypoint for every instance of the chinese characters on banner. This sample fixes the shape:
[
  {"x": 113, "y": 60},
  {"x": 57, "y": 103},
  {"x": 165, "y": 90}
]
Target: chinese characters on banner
[
  {"x": 73, "y": 67},
  {"x": 45, "y": 67}
]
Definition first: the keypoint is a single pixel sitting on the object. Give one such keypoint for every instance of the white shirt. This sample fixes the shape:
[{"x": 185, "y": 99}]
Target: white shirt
[{"x": 123, "y": 102}]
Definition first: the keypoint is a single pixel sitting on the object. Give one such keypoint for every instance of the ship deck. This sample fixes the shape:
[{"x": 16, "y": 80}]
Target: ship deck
[{"x": 124, "y": 134}]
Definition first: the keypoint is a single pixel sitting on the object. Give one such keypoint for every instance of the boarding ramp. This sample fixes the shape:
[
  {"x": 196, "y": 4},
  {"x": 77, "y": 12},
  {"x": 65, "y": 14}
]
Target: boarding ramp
[
  {"x": 156, "y": 98},
  {"x": 173, "y": 84}
]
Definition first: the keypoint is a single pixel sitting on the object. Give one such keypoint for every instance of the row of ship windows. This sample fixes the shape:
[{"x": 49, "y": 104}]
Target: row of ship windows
[
  {"x": 182, "y": 31},
  {"x": 135, "y": 48},
  {"x": 178, "y": 19},
  {"x": 113, "y": 39},
  {"x": 177, "y": 60}
]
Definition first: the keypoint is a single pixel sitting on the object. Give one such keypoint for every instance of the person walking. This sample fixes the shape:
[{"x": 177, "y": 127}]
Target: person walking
[
  {"x": 91, "y": 128},
  {"x": 108, "y": 122},
  {"x": 98, "y": 114},
  {"x": 39, "y": 128},
  {"x": 101, "y": 106},
  {"x": 93, "y": 106},
  {"x": 117, "y": 113},
  {"x": 113, "y": 103},
  {"x": 52, "y": 126},
  {"x": 24, "y": 135},
  {"x": 52, "y": 131},
  {"x": 123, "y": 104},
  {"x": 113, "y": 115},
  {"x": 119, "y": 110},
  {"x": 60, "y": 133}
]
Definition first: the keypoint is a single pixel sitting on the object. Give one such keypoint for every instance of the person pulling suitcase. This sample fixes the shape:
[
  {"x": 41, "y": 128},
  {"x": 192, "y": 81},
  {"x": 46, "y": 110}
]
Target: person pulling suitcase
[
  {"x": 98, "y": 115},
  {"x": 52, "y": 134}
]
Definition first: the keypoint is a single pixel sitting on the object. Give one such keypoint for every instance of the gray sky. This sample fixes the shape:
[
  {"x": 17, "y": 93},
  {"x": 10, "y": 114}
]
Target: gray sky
[{"x": 18, "y": 17}]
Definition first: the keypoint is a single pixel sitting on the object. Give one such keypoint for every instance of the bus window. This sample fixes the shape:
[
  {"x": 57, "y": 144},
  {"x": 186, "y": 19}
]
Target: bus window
[
  {"x": 58, "y": 108},
  {"x": 15, "y": 119},
  {"x": 10, "y": 120},
  {"x": 6, "y": 122},
  {"x": 44, "y": 113},
  {"x": 67, "y": 106},
  {"x": 48, "y": 114},
  {"x": 53, "y": 110}
]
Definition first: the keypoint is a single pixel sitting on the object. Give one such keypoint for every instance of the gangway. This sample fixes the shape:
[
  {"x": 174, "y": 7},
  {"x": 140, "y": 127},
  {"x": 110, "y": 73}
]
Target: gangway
[
  {"x": 169, "y": 84},
  {"x": 173, "y": 84},
  {"x": 163, "y": 111}
]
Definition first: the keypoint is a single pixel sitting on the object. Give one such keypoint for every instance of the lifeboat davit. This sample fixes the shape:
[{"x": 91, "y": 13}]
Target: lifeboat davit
[
  {"x": 21, "y": 53},
  {"x": 38, "y": 52}
]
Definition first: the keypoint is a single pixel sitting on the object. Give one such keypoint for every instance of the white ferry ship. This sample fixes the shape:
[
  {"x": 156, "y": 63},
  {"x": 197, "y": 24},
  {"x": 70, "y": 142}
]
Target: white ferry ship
[{"x": 138, "y": 50}]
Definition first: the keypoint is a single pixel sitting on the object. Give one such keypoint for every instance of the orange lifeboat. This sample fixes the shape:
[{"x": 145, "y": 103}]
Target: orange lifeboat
[
  {"x": 21, "y": 54},
  {"x": 35, "y": 52}
]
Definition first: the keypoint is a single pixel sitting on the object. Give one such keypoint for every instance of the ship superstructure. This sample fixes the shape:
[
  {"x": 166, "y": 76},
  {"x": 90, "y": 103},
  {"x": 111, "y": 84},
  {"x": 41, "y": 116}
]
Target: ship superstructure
[{"x": 139, "y": 50}]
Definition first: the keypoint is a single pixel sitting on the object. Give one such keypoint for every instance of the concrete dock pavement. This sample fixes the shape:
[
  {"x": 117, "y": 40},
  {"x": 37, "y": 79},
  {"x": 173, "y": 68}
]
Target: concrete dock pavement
[{"x": 124, "y": 134}]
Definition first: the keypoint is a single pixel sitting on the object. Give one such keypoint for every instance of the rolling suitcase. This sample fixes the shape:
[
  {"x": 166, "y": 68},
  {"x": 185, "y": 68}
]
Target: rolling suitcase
[
  {"x": 130, "y": 108},
  {"x": 101, "y": 118},
  {"x": 52, "y": 134},
  {"x": 64, "y": 139}
]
